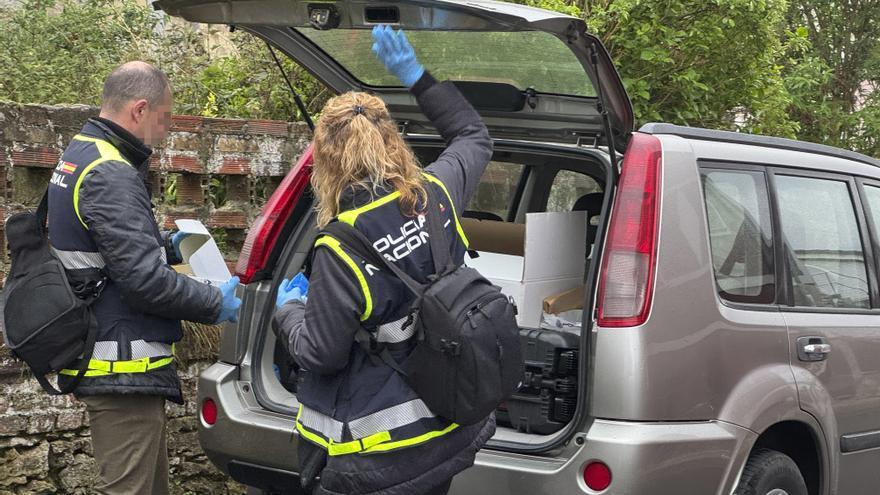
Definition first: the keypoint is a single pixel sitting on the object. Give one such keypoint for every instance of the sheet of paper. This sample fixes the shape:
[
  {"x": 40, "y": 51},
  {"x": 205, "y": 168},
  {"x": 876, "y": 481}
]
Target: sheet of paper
[{"x": 201, "y": 252}]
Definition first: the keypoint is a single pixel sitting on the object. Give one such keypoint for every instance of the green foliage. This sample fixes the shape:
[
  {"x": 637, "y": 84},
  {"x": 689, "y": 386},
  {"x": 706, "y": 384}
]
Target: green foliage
[
  {"x": 787, "y": 68},
  {"x": 59, "y": 51},
  {"x": 782, "y": 67}
]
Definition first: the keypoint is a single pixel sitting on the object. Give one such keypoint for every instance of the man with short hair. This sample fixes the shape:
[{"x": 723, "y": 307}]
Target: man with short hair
[{"x": 102, "y": 229}]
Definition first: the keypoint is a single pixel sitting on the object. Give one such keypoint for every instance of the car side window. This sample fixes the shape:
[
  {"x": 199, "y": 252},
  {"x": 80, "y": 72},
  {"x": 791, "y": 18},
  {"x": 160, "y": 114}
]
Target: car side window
[
  {"x": 496, "y": 191},
  {"x": 568, "y": 187},
  {"x": 872, "y": 194},
  {"x": 740, "y": 235},
  {"x": 823, "y": 245}
]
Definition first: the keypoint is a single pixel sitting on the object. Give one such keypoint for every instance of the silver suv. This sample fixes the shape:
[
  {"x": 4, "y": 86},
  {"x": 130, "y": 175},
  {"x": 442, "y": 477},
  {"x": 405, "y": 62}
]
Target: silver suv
[{"x": 724, "y": 335}]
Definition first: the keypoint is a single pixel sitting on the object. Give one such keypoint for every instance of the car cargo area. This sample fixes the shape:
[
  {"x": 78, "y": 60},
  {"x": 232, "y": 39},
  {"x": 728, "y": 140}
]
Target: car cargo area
[{"x": 532, "y": 227}]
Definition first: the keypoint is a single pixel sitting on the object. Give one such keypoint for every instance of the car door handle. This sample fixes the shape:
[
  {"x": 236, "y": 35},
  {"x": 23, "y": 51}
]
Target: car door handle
[
  {"x": 817, "y": 348},
  {"x": 811, "y": 349}
]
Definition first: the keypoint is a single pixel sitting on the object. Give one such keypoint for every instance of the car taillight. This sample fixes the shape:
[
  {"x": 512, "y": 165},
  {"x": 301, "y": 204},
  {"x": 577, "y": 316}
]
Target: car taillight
[
  {"x": 267, "y": 226},
  {"x": 209, "y": 412},
  {"x": 627, "y": 275},
  {"x": 597, "y": 476}
]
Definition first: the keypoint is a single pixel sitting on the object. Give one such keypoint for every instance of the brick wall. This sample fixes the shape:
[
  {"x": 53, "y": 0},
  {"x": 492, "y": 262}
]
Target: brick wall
[{"x": 218, "y": 170}]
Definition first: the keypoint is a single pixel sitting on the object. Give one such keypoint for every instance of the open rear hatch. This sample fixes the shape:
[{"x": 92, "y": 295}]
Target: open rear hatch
[
  {"x": 533, "y": 75},
  {"x": 529, "y": 71}
]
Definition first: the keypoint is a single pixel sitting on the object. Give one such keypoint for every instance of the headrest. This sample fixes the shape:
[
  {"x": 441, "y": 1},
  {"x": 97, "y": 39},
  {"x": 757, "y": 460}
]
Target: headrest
[{"x": 591, "y": 203}]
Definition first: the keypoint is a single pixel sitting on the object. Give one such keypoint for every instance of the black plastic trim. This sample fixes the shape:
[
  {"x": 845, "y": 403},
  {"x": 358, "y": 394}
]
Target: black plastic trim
[
  {"x": 856, "y": 442},
  {"x": 275, "y": 481},
  {"x": 751, "y": 139}
]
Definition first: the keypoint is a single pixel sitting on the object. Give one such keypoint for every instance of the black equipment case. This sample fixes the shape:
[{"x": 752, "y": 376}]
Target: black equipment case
[{"x": 547, "y": 398}]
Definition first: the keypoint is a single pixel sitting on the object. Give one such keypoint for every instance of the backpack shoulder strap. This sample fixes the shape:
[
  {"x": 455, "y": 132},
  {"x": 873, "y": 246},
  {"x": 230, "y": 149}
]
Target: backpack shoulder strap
[
  {"x": 437, "y": 235},
  {"x": 43, "y": 211}
]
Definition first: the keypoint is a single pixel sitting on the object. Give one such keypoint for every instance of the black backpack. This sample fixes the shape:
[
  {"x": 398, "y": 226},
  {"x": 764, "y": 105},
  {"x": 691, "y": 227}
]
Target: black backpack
[
  {"x": 48, "y": 322},
  {"x": 467, "y": 356}
]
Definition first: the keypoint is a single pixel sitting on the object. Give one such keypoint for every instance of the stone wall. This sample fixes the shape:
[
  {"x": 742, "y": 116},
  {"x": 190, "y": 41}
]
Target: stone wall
[{"x": 218, "y": 170}]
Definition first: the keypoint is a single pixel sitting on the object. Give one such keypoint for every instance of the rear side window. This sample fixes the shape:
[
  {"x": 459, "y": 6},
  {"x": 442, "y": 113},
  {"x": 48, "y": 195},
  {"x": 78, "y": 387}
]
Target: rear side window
[
  {"x": 872, "y": 194},
  {"x": 496, "y": 191},
  {"x": 568, "y": 187},
  {"x": 823, "y": 246},
  {"x": 740, "y": 235}
]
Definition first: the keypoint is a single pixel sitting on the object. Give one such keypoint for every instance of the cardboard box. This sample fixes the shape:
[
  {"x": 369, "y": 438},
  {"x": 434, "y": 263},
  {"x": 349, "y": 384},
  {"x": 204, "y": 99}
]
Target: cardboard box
[
  {"x": 565, "y": 301},
  {"x": 553, "y": 247},
  {"x": 202, "y": 258}
]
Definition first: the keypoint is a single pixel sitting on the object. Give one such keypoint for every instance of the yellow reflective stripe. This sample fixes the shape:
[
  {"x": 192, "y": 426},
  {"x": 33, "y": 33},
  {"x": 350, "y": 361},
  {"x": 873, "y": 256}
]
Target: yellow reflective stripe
[
  {"x": 409, "y": 442},
  {"x": 107, "y": 152},
  {"x": 307, "y": 434},
  {"x": 98, "y": 367},
  {"x": 350, "y": 216},
  {"x": 334, "y": 245},
  {"x": 460, "y": 230},
  {"x": 341, "y": 448}
]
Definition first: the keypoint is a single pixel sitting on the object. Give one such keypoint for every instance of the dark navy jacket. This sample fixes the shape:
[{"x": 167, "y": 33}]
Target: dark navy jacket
[
  {"x": 320, "y": 335},
  {"x": 101, "y": 218}
]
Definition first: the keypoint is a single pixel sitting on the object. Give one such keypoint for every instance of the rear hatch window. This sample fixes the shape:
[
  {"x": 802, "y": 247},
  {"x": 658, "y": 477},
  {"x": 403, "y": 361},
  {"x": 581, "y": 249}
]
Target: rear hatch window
[{"x": 522, "y": 59}]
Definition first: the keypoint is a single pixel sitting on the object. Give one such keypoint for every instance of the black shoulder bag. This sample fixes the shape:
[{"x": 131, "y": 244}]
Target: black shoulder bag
[{"x": 48, "y": 322}]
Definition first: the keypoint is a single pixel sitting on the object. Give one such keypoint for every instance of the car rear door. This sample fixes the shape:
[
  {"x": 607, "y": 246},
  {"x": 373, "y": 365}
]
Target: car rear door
[{"x": 832, "y": 315}]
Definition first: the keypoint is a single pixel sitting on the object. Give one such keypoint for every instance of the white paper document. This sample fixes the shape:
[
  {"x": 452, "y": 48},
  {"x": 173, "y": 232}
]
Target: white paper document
[{"x": 201, "y": 253}]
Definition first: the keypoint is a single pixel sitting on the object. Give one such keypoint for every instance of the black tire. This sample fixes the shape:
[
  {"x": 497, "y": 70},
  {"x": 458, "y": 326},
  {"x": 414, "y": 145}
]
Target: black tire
[{"x": 768, "y": 470}]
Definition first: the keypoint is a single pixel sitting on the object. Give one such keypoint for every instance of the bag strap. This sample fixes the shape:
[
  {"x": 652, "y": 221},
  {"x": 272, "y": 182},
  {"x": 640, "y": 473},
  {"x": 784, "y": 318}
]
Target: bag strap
[
  {"x": 88, "y": 352},
  {"x": 43, "y": 211},
  {"x": 437, "y": 235}
]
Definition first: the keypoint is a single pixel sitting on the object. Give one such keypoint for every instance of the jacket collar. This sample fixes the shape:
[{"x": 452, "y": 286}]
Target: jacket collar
[
  {"x": 131, "y": 148},
  {"x": 358, "y": 195}
]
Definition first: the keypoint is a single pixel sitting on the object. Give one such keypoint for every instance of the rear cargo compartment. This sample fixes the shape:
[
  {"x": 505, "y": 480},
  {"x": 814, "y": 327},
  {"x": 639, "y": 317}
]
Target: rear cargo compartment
[{"x": 531, "y": 234}]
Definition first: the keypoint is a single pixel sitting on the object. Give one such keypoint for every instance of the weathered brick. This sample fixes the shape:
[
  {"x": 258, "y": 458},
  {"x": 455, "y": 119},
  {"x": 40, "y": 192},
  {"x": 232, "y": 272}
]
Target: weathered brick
[
  {"x": 235, "y": 165},
  {"x": 271, "y": 127},
  {"x": 186, "y": 123},
  {"x": 230, "y": 219},
  {"x": 155, "y": 162},
  {"x": 190, "y": 190},
  {"x": 184, "y": 163},
  {"x": 35, "y": 156},
  {"x": 221, "y": 126},
  {"x": 236, "y": 144}
]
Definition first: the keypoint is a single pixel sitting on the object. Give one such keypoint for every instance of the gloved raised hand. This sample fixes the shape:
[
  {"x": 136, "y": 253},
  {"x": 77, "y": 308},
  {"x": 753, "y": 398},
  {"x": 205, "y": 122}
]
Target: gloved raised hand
[
  {"x": 393, "y": 49},
  {"x": 176, "y": 239},
  {"x": 229, "y": 312},
  {"x": 293, "y": 290}
]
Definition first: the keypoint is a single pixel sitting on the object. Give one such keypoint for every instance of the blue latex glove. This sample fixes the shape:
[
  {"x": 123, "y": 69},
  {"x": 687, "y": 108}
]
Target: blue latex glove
[
  {"x": 176, "y": 239},
  {"x": 230, "y": 302},
  {"x": 394, "y": 50},
  {"x": 293, "y": 290}
]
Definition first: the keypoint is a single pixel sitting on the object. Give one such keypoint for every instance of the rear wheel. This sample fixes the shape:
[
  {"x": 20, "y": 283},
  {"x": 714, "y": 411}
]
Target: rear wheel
[{"x": 769, "y": 472}]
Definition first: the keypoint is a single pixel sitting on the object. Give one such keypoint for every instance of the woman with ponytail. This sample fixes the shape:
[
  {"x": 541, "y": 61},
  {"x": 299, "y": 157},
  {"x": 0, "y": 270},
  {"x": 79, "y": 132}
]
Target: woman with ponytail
[{"x": 361, "y": 428}]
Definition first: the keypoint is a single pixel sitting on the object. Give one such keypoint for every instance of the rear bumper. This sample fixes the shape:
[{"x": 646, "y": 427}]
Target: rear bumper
[
  {"x": 644, "y": 458},
  {"x": 255, "y": 446},
  {"x": 246, "y": 438}
]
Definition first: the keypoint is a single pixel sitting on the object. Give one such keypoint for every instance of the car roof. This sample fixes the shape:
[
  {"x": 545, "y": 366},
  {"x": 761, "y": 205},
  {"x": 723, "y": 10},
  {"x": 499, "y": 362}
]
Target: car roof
[{"x": 755, "y": 140}]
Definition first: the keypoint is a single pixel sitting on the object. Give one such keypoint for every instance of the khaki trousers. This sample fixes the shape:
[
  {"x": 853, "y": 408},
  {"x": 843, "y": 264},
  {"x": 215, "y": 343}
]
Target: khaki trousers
[{"x": 128, "y": 439}]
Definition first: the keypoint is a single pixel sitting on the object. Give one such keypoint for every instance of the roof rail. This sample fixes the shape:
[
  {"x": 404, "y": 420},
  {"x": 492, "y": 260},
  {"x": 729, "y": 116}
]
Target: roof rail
[{"x": 751, "y": 139}]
